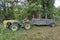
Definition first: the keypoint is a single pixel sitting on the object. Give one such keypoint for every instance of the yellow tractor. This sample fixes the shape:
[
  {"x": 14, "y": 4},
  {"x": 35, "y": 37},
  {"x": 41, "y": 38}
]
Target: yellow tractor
[{"x": 14, "y": 25}]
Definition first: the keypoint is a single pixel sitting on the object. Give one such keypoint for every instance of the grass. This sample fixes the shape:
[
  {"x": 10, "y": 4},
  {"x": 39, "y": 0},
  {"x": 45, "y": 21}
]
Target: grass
[{"x": 36, "y": 33}]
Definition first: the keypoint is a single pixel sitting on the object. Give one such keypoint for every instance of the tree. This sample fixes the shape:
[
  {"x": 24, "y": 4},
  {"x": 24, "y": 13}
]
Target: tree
[
  {"x": 47, "y": 8},
  {"x": 26, "y": 11},
  {"x": 8, "y": 10},
  {"x": 57, "y": 14},
  {"x": 20, "y": 12}
]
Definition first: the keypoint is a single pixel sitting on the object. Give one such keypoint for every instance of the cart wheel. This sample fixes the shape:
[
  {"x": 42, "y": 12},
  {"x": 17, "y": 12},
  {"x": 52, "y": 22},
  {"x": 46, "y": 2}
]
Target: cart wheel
[
  {"x": 27, "y": 26},
  {"x": 14, "y": 27},
  {"x": 52, "y": 25}
]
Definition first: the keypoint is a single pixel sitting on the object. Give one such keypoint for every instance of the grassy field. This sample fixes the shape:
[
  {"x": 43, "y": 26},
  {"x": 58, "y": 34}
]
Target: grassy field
[{"x": 36, "y": 33}]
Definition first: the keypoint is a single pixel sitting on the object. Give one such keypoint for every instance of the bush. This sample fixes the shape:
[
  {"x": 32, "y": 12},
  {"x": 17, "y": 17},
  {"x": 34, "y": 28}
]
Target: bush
[{"x": 1, "y": 15}]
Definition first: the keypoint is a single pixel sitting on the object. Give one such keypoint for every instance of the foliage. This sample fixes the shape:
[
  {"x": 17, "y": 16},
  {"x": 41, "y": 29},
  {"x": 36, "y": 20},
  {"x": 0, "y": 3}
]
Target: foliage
[
  {"x": 48, "y": 8},
  {"x": 1, "y": 15},
  {"x": 57, "y": 13},
  {"x": 23, "y": 12}
]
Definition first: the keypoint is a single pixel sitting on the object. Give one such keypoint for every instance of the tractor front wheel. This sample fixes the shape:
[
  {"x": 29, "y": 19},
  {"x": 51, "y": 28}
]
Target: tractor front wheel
[{"x": 27, "y": 26}]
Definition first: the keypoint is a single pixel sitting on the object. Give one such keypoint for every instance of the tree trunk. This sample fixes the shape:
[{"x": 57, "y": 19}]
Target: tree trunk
[{"x": 45, "y": 15}]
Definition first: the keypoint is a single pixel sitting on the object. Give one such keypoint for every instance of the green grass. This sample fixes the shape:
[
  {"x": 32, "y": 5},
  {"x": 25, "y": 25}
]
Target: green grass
[{"x": 36, "y": 33}]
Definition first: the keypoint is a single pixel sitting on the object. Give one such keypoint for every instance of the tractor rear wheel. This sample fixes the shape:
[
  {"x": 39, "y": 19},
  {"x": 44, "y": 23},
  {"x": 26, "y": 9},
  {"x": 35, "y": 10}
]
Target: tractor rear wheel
[{"x": 14, "y": 27}]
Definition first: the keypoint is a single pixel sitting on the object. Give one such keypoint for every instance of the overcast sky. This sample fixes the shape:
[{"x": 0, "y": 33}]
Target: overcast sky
[{"x": 57, "y": 3}]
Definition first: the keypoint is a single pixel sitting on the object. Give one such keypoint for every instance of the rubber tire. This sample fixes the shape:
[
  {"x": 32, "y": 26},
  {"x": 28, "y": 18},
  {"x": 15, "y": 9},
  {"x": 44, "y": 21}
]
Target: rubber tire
[
  {"x": 27, "y": 26},
  {"x": 9, "y": 24},
  {"x": 14, "y": 27},
  {"x": 52, "y": 25}
]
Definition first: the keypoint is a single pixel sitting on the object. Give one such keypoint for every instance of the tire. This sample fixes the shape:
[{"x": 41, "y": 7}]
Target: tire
[
  {"x": 9, "y": 24},
  {"x": 52, "y": 25},
  {"x": 14, "y": 27},
  {"x": 27, "y": 26}
]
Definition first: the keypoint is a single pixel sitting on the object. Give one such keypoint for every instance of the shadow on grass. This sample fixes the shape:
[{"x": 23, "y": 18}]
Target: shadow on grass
[{"x": 41, "y": 25}]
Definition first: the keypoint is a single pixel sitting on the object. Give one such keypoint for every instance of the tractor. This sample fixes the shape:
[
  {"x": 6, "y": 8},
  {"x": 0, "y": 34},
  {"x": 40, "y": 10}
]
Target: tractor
[{"x": 14, "y": 25}]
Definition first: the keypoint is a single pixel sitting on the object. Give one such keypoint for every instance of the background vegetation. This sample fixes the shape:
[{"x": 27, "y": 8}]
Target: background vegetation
[{"x": 46, "y": 8}]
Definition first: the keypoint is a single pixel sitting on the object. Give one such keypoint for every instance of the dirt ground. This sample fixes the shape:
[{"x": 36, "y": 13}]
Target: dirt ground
[{"x": 42, "y": 33}]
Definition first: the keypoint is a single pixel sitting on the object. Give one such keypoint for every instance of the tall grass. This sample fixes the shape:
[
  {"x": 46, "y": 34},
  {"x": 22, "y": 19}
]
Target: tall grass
[
  {"x": 36, "y": 33},
  {"x": 6, "y": 34}
]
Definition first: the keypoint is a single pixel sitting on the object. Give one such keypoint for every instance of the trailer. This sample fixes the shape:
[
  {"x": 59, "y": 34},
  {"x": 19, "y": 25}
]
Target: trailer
[{"x": 50, "y": 22}]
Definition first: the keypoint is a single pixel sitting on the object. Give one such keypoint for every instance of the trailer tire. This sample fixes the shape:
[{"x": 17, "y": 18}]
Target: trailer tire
[{"x": 52, "y": 25}]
